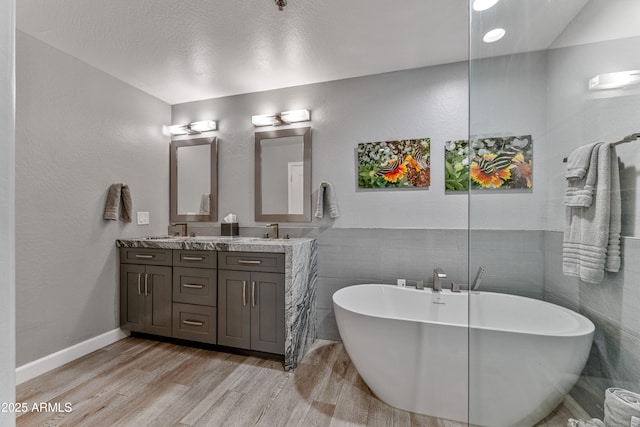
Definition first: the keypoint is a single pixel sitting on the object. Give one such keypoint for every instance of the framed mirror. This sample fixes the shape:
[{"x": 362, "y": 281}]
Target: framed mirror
[
  {"x": 283, "y": 175},
  {"x": 193, "y": 193}
]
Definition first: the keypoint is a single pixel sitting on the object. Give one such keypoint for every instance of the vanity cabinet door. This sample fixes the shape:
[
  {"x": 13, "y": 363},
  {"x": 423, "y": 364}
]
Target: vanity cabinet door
[
  {"x": 145, "y": 298},
  {"x": 131, "y": 297},
  {"x": 158, "y": 300},
  {"x": 234, "y": 310},
  {"x": 267, "y": 312}
]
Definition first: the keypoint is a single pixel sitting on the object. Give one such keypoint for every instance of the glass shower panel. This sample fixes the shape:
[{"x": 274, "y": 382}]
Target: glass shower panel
[{"x": 544, "y": 335}]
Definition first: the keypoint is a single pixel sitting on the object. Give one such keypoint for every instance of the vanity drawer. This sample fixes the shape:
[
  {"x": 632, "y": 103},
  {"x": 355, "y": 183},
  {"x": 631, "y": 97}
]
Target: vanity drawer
[
  {"x": 251, "y": 261},
  {"x": 194, "y": 322},
  {"x": 145, "y": 256},
  {"x": 195, "y": 286},
  {"x": 200, "y": 259}
]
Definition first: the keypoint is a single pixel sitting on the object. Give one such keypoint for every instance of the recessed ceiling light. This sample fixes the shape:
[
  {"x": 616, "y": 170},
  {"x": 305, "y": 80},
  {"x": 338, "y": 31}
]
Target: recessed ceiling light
[
  {"x": 494, "y": 35},
  {"x": 480, "y": 5}
]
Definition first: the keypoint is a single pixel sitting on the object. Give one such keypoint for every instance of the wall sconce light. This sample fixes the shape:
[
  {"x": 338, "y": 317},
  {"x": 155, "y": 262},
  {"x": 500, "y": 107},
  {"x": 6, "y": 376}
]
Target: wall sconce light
[
  {"x": 191, "y": 128},
  {"x": 283, "y": 118},
  {"x": 614, "y": 80}
]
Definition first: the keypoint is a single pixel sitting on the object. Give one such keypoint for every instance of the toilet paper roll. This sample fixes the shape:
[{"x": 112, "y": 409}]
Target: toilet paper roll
[{"x": 620, "y": 406}]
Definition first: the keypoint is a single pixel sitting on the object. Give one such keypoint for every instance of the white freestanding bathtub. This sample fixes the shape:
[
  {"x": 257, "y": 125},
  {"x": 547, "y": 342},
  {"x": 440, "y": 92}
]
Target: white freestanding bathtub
[{"x": 484, "y": 358}]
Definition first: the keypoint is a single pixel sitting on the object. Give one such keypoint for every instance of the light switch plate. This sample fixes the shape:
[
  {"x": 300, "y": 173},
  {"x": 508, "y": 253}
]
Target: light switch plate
[{"x": 143, "y": 218}]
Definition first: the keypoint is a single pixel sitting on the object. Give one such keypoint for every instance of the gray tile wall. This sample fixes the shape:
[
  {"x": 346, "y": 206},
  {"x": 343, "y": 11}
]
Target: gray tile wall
[
  {"x": 614, "y": 308},
  {"x": 514, "y": 261}
]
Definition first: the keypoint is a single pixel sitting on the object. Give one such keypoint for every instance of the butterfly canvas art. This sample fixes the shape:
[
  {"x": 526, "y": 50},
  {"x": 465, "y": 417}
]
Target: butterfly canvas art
[
  {"x": 489, "y": 163},
  {"x": 394, "y": 164}
]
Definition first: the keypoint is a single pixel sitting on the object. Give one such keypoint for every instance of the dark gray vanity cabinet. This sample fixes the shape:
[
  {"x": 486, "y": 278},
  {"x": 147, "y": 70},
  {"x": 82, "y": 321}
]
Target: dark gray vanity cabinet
[
  {"x": 195, "y": 295},
  {"x": 145, "y": 290},
  {"x": 251, "y": 301}
]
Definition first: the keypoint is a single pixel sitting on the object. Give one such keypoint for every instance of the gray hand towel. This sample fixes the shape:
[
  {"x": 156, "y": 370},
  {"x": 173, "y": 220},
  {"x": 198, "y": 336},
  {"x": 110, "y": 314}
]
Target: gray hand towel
[
  {"x": 125, "y": 212},
  {"x": 113, "y": 202},
  {"x": 326, "y": 188},
  {"x": 591, "y": 241}
]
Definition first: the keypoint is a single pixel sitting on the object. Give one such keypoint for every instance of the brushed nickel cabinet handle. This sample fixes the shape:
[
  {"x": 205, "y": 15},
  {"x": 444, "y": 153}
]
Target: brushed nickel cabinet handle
[
  {"x": 249, "y": 261},
  {"x": 193, "y": 258},
  {"x": 189, "y": 285},
  {"x": 244, "y": 293},
  {"x": 139, "y": 280},
  {"x": 145, "y": 256},
  {"x": 146, "y": 284},
  {"x": 253, "y": 294},
  {"x": 193, "y": 322}
]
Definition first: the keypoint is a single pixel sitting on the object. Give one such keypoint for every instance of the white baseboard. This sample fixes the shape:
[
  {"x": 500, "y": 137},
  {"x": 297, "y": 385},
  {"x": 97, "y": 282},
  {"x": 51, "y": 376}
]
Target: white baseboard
[{"x": 38, "y": 367}]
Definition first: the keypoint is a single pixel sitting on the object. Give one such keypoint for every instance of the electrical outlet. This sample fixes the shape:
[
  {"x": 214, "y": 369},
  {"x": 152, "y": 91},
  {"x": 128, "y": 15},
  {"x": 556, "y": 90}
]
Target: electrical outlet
[{"x": 143, "y": 218}]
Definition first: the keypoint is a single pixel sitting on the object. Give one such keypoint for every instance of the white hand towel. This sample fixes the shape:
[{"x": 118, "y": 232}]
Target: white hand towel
[
  {"x": 579, "y": 161},
  {"x": 620, "y": 406},
  {"x": 591, "y": 242},
  {"x": 582, "y": 174},
  {"x": 205, "y": 203},
  {"x": 326, "y": 188}
]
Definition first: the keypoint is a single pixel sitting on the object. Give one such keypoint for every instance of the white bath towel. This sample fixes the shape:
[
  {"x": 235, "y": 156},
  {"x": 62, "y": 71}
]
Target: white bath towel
[
  {"x": 620, "y": 406},
  {"x": 326, "y": 188},
  {"x": 635, "y": 422},
  {"x": 591, "y": 241},
  {"x": 582, "y": 173},
  {"x": 593, "y": 422}
]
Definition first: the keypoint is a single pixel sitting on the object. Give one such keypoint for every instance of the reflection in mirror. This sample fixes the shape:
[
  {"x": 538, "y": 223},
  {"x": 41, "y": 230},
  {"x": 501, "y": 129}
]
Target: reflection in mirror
[
  {"x": 193, "y": 191},
  {"x": 283, "y": 175}
]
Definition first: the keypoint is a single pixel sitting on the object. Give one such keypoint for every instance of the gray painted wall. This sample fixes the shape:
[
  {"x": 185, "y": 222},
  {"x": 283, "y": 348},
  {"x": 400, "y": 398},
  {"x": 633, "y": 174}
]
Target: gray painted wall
[
  {"x": 426, "y": 102},
  {"x": 578, "y": 117},
  {"x": 78, "y": 130},
  {"x": 7, "y": 214}
]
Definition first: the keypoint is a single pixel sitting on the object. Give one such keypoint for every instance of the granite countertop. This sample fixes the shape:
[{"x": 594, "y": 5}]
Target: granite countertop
[{"x": 213, "y": 243}]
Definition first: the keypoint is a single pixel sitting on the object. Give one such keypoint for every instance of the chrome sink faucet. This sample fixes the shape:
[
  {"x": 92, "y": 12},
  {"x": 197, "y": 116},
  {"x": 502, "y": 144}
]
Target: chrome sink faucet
[
  {"x": 438, "y": 275},
  {"x": 274, "y": 229}
]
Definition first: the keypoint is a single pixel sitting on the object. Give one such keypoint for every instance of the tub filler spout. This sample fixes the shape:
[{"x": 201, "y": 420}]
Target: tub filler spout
[{"x": 438, "y": 275}]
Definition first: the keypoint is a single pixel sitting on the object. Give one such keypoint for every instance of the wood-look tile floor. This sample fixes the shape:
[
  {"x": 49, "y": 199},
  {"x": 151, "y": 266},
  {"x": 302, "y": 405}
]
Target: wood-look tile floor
[{"x": 139, "y": 382}]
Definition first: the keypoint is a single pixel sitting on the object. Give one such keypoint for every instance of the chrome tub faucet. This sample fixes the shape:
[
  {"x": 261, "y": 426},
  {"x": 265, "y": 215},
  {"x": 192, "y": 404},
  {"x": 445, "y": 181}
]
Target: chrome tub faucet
[{"x": 438, "y": 275}]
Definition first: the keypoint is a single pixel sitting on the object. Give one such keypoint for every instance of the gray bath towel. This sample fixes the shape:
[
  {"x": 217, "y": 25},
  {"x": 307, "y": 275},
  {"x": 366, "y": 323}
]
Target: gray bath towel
[
  {"x": 582, "y": 174},
  {"x": 591, "y": 242},
  {"x": 118, "y": 203},
  {"x": 326, "y": 188}
]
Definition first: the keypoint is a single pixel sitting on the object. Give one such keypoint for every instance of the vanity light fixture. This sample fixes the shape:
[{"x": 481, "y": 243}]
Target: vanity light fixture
[
  {"x": 480, "y": 5},
  {"x": 614, "y": 80},
  {"x": 283, "y": 118},
  {"x": 494, "y": 35},
  {"x": 191, "y": 128}
]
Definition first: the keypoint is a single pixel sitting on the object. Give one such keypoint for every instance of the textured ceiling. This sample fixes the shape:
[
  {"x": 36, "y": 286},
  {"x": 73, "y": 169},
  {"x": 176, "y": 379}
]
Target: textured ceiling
[{"x": 186, "y": 50}]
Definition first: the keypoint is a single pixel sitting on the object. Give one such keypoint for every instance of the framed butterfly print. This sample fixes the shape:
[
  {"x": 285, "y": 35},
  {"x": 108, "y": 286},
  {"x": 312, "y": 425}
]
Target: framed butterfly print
[
  {"x": 503, "y": 163},
  {"x": 394, "y": 164}
]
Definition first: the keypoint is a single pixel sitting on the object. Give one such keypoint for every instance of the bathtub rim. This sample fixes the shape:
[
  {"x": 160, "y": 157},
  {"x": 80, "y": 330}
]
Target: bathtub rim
[{"x": 587, "y": 326}]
